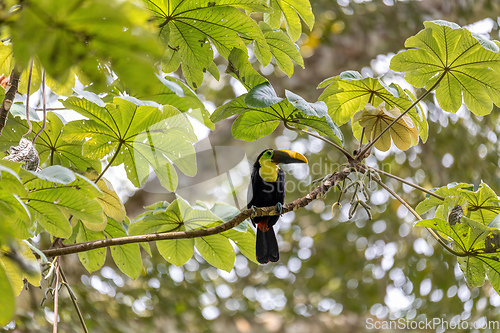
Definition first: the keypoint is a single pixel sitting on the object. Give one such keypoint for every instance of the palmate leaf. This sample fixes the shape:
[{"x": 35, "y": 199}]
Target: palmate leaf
[
  {"x": 174, "y": 92},
  {"x": 180, "y": 216},
  {"x": 72, "y": 32},
  {"x": 290, "y": 10},
  {"x": 483, "y": 204},
  {"x": 350, "y": 92},
  {"x": 12, "y": 208},
  {"x": 55, "y": 193},
  {"x": 191, "y": 28},
  {"x": 466, "y": 66},
  {"x": 451, "y": 189},
  {"x": 261, "y": 112},
  {"x": 52, "y": 148},
  {"x": 138, "y": 135}
]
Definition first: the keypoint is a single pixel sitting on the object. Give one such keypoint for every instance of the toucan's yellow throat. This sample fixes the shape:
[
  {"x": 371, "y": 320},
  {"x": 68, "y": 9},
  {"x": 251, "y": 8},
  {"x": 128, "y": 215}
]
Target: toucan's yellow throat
[{"x": 270, "y": 159}]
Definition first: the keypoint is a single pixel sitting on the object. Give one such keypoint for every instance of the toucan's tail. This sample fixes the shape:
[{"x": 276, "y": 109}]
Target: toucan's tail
[{"x": 266, "y": 246}]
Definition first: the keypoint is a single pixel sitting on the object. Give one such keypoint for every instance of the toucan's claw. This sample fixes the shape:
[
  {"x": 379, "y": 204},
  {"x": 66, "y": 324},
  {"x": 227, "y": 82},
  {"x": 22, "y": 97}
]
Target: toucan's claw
[
  {"x": 253, "y": 208},
  {"x": 280, "y": 208}
]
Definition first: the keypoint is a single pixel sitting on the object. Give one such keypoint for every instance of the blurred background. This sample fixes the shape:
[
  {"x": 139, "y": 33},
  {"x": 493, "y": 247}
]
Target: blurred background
[{"x": 334, "y": 274}]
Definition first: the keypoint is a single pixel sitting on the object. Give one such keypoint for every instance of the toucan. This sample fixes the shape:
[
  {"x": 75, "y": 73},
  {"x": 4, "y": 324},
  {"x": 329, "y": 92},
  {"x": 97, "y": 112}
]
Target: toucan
[{"x": 267, "y": 188}]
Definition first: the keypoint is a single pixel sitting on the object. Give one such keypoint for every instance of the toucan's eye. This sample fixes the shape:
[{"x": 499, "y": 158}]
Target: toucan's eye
[{"x": 269, "y": 153}]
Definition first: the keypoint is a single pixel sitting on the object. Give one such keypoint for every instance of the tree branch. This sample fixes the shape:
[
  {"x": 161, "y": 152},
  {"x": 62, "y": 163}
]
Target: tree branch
[
  {"x": 8, "y": 100},
  {"x": 318, "y": 192}
]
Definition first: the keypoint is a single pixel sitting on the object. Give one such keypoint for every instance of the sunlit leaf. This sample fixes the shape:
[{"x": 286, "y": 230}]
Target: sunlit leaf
[
  {"x": 127, "y": 257},
  {"x": 466, "y": 67},
  {"x": 291, "y": 10},
  {"x": 217, "y": 251},
  {"x": 92, "y": 260}
]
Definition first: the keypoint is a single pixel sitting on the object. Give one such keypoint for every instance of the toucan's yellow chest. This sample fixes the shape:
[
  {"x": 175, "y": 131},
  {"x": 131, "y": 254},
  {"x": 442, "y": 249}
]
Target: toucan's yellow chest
[{"x": 268, "y": 171}]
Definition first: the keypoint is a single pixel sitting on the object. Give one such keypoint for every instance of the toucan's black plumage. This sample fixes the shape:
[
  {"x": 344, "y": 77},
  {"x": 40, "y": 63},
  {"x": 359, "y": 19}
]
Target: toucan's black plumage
[{"x": 267, "y": 188}]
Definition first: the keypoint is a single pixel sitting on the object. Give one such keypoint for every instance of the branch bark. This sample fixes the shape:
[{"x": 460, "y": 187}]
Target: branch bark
[
  {"x": 8, "y": 100},
  {"x": 318, "y": 192}
]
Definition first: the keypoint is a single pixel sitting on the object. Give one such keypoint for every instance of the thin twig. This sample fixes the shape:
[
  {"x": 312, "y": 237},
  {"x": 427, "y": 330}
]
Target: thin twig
[
  {"x": 432, "y": 232},
  {"x": 318, "y": 192},
  {"x": 56, "y": 296},
  {"x": 44, "y": 110},
  {"x": 342, "y": 150},
  {"x": 408, "y": 183},
  {"x": 30, "y": 127},
  {"x": 371, "y": 143},
  {"x": 73, "y": 300}
]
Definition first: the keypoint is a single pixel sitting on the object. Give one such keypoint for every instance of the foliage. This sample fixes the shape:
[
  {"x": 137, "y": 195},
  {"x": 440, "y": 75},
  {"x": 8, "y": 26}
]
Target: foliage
[{"x": 130, "y": 113}]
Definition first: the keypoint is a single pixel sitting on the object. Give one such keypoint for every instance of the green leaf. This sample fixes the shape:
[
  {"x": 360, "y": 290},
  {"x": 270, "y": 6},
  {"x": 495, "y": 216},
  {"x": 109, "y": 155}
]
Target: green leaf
[
  {"x": 7, "y": 301},
  {"x": 174, "y": 92},
  {"x": 262, "y": 96},
  {"x": 176, "y": 251},
  {"x": 242, "y": 70},
  {"x": 349, "y": 92},
  {"x": 473, "y": 270},
  {"x": 281, "y": 47},
  {"x": 49, "y": 201},
  {"x": 138, "y": 135},
  {"x": 451, "y": 189},
  {"x": 492, "y": 265},
  {"x": 291, "y": 9},
  {"x": 482, "y": 204},
  {"x": 245, "y": 241},
  {"x": 92, "y": 260},
  {"x": 127, "y": 257},
  {"x": 217, "y": 251},
  {"x": 466, "y": 67},
  {"x": 72, "y": 33},
  {"x": 192, "y": 28},
  {"x": 317, "y": 110}
]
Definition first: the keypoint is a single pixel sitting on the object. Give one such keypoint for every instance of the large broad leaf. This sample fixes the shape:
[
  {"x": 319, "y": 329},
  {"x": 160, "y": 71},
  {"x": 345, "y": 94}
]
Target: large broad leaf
[
  {"x": 281, "y": 47},
  {"x": 68, "y": 33},
  {"x": 174, "y": 92},
  {"x": 127, "y": 257},
  {"x": 466, "y": 66},
  {"x": 290, "y": 10},
  {"x": 12, "y": 208},
  {"x": 7, "y": 301},
  {"x": 483, "y": 204},
  {"x": 451, "y": 189},
  {"x": 256, "y": 122},
  {"x": 52, "y": 148},
  {"x": 92, "y": 260},
  {"x": 53, "y": 196},
  {"x": 217, "y": 251},
  {"x": 241, "y": 69},
  {"x": 192, "y": 27},
  {"x": 350, "y": 92},
  {"x": 138, "y": 135}
]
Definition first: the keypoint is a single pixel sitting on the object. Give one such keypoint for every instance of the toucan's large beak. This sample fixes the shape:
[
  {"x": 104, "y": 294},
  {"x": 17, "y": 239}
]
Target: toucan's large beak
[{"x": 287, "y": 156}]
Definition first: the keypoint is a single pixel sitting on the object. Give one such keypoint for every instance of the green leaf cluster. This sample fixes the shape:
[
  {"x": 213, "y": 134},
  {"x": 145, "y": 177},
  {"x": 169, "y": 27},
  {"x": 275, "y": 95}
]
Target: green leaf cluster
[
  {"x": 261, "y": 111},
  {"x": 179, "y": 216},
  {"x": 469, "y": 220}
]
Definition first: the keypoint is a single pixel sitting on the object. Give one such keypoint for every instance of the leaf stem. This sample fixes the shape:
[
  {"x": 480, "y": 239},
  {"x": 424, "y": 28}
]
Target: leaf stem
[
  {"x": 73, "y": 300},
  {"x": 110, "y": 162},
  {"x": 371, "y": 143},
  {"x": 408, "y": 183},
  {"x": 10, "y": 94}
]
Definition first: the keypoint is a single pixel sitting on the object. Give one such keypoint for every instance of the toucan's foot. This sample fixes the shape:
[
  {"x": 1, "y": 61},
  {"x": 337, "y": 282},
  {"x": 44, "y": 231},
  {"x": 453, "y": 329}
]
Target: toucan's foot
[
  {"x": 253, "y": 208},
  {"x": 280, "y": 208}
]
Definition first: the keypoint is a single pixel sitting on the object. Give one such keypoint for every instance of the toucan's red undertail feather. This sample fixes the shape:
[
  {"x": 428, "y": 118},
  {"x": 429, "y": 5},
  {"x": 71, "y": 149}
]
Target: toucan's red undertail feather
[{"x": 262, "y": 225}]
